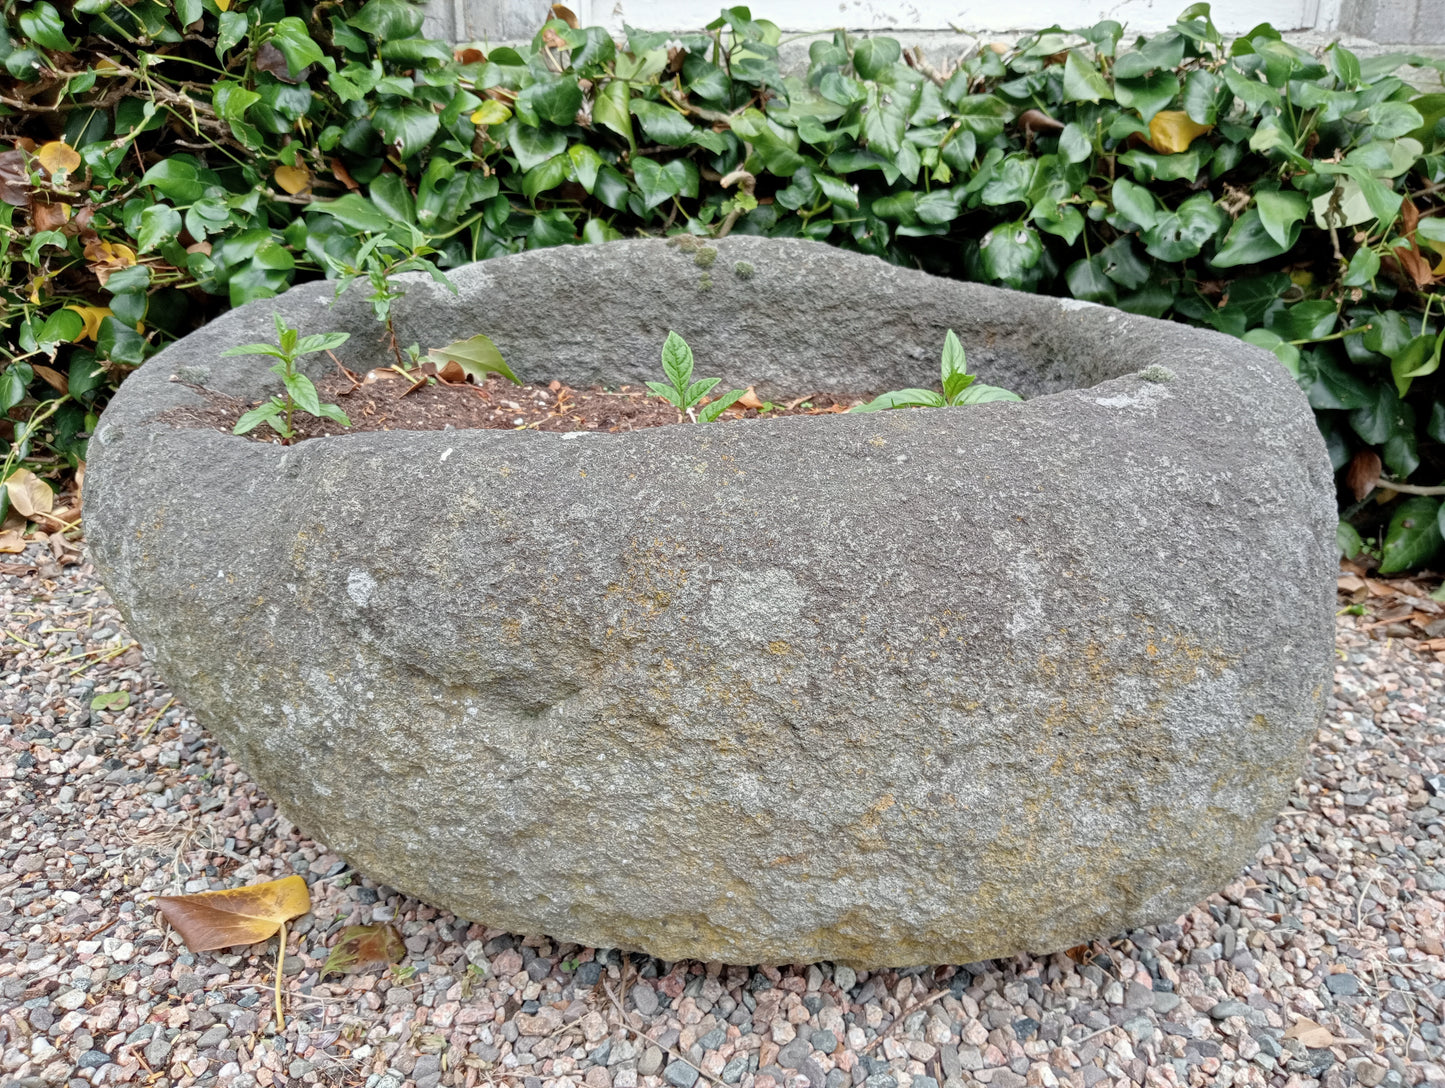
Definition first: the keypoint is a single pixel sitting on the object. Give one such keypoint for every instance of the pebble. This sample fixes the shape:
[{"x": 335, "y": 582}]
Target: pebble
[{"x": 1337, "y": 920}]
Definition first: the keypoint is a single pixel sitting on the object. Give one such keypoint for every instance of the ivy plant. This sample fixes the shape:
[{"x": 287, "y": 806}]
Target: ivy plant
[{"x": 166, "y": 161}]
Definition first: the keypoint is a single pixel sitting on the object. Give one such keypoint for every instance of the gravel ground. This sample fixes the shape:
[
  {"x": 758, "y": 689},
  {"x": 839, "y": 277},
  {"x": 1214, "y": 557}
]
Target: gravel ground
[{"x": 1321, "y": 965}]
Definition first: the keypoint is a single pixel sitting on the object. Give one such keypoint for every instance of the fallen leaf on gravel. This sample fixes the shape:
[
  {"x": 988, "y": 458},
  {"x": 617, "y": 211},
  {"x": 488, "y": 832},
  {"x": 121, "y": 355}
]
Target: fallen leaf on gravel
[
  {"x": 1349, "y": 583},
  {"x": 1312, "y": 1035},
  {"x": 29, "y": 494},
  {"x": 360, "y": 945},
  {"x": 12, "y": 543},
  {"x": 235, "y": 916},
  {"x": 111, "y": 700}
]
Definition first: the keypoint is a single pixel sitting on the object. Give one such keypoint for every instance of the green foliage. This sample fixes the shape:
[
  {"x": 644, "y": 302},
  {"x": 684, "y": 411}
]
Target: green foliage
[
  {"x": 298, "y": 394},
  {"x": 959, "y": 386},
  {"x": 477, "y": 357},
  {"x": 187, "y": 159},
  {"x": 681, "y": 391}
]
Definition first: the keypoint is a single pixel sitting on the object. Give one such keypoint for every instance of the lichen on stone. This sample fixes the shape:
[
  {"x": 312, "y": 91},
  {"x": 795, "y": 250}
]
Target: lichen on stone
[
  {"x": 1156, "y": 373},
  {"x": 704, "y": 282},
  {"x": 743, "y": 270},
  {"x": 704, "y": 257}
]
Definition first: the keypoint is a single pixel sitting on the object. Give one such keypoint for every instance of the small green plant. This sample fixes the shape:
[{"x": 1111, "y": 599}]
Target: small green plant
[
  {"x": 959, "y": 386},
  {"x": 298, "y": 392},
  {"x": 684, "y": 394}
]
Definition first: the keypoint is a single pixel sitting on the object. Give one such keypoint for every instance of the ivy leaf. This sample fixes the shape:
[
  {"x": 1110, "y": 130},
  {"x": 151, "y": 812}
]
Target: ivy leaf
[
  {"x": 44, "y": 26},
  {"x": 1148, "y": 94},
  {"x": 158, "y": 223},
  {"x": 295, "y": 44},
  {"x": 1074, "y": 145},
  {"x": 1181, "y": 234},
  {"x": 408, "y": 127},
  {"x": 1200, "y": 98},
  {"x": 872, "y": 57},
  {"x": 654, "y": 182},
  {"x": 534, "y": 146},
  {"x": 884, "y": 121},
  {"x": 555, "y": 101},
  {"x": 388, "y": 20},
  {"x": 1279, "y": 212},
  {"x": 610, "y": 110},
  {"x": 1414, "y": 535},
  {"x": 1082, "y": 81},
  {"x": 1417, "y": 359},
  {"x": 548, "y": 175},
  {"x": 1087, "y": 281},
  {"x": 662, "y": 124},
  {"x": 1249, "y": 242},
  {"x": 1010, "y": 250},
  {"x": 1136, "y": 203}
]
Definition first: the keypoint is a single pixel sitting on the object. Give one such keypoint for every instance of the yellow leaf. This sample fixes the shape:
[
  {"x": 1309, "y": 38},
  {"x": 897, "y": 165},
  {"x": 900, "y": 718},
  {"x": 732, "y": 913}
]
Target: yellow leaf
[
  {"x": 491, "y": 112},
  {"x": 29, "y": 494},
  {"x": 1172, "y": 131},
  {"x": 294, "y": 179},
  {"x": 224, "y": 5},
  {"x": 58, "y": 157},
  {"x": 92, "y": 316},
  {"x": 235, "y": 916}
]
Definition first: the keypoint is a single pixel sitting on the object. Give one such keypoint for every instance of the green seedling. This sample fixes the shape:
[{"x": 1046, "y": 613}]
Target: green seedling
[
  {"x": 684, "y": 394},
  {"x": 298, "y": 393},
  {"x": 959, "y": 386}
]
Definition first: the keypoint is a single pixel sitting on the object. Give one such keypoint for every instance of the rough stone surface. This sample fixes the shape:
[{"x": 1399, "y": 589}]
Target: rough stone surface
[{"x": 915, "y": 687}]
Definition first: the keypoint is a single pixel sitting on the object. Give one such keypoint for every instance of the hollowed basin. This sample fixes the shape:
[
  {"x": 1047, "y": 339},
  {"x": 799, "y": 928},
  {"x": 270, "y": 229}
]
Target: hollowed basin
[{"x": 916, "y": 687}]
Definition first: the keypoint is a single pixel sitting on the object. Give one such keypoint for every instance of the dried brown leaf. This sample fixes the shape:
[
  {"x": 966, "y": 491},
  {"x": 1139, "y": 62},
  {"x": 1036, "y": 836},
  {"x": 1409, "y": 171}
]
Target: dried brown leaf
[
  {"x": 270, "y": 59},
  {"x": 29, "y": 494},
  {"x": 749, "y": 399},
  {"x": 12, "y": 542},
  {"x": 560, "y": 11},
  {"x": 53, "y": 378},
  {"x": 1039, "y": 121},
  {"x": 235, "y": 916},
  {"x": 14, "y": 180},
  {"x": 50, "y": 216},
  {"x": 1315, "y": 1036},
  {"x": 1363, "y": 473},
  {"x": 343, "y": 175},
  {"x": 358, "y": 945}
]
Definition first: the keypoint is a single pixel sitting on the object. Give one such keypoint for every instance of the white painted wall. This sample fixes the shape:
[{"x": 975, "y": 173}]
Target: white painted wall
[{"x": 1231, "y": 16}]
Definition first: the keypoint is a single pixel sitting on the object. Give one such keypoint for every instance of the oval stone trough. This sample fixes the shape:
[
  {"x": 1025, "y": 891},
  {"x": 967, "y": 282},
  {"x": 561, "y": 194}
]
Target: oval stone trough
[{"x": 921, "y": 686}]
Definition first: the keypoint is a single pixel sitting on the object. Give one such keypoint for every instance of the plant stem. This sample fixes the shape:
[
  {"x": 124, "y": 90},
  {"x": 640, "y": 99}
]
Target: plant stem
[{"x": 280, "y": 963}]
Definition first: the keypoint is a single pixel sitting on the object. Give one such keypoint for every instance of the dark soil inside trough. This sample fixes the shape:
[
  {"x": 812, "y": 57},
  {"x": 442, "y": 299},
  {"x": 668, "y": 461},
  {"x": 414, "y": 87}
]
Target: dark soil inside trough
[{"x": 384, "y": 400}]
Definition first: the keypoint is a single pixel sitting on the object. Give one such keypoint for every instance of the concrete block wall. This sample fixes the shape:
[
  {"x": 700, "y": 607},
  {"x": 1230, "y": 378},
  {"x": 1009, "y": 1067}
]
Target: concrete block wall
[{"x": 1386, "y": 22}]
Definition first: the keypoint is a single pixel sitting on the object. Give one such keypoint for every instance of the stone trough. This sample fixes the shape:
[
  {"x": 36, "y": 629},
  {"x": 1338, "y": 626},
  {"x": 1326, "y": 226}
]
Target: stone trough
[{"x": 923, "y": 686}]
